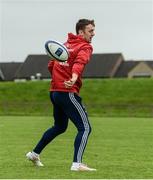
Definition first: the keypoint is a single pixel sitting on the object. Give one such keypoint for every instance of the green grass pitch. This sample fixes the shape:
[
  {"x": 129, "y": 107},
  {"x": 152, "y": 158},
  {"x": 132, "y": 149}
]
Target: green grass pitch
[{"x": 120, "y": 148}]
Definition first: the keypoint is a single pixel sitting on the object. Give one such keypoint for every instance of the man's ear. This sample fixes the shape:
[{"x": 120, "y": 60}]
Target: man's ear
[{"x": 81, "y": 32}]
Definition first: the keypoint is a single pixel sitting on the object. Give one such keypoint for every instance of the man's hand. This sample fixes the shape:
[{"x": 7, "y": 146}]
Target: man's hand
[{"x": 71, "y": 82}]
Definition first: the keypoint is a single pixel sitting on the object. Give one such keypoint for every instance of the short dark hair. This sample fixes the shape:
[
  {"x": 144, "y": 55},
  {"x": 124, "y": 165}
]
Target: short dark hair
[{"x": 82, "y": 23}]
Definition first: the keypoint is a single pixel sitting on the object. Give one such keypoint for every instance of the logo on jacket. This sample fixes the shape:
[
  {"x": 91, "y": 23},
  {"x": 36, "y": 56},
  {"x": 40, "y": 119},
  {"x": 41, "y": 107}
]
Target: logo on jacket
[{"x": 64, "y": 63}]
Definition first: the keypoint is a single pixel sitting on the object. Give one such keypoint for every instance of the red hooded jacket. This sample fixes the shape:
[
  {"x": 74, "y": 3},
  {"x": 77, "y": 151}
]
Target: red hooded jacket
[{"x": 79, "y": 54}]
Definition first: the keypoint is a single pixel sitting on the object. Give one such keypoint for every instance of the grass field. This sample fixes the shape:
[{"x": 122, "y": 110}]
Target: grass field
[
  {"x": 102, "y": 97},
  {"x": 118, "y": 148}
]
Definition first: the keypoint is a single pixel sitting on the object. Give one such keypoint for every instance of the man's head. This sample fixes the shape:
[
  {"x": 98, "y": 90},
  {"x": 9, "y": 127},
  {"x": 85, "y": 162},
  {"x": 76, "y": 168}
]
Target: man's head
[{"x": 86, "y": 28}]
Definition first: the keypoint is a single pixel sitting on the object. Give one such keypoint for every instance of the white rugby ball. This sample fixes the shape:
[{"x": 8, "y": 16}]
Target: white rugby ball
[{"x": 56, "y": 50}]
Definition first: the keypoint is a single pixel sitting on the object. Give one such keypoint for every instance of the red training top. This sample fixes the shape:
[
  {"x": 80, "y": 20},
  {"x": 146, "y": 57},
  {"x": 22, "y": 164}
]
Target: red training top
[{"x": 79, "y": 54}]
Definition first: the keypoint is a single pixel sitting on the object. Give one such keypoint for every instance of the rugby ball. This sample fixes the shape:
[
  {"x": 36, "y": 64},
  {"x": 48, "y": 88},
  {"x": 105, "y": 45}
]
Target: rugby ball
[{"x": 56, "y": 50}]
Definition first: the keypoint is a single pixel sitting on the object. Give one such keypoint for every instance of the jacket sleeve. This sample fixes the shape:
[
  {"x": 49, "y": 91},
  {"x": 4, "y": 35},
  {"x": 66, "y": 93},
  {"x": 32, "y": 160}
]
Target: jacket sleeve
[
  {"x": 50, "y": 66},
  {"x": 82, "y": 59}
]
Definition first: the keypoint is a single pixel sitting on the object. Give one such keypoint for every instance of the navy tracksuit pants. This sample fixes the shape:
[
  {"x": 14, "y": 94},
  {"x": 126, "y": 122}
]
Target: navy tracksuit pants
[{"x": 67, "y": 106}]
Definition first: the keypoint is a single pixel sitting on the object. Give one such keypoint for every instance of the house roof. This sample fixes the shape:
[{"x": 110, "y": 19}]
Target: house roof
[
  {"x": 34, "y": 64},
  {"x": 150, "y": 63},
  {"x": 1, "y": 75},
  {"x": 103, "y": 65},
  {"x": 9, "y": 69},
  {"x": 127, "y": 66},
  {"x": 100, "y": 65}
]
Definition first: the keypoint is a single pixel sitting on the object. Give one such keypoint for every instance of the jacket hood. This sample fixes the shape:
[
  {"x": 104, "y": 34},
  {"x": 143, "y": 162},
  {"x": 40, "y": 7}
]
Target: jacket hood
[{"x": 75, "y": 38}]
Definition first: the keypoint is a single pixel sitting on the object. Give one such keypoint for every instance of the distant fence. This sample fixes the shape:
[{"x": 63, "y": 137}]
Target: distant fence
[{"x": 94, "y": 109}]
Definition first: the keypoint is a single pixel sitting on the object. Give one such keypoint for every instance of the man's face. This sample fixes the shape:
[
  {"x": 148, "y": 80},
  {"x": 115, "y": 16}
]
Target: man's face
[{"x": 88, "y": 32}]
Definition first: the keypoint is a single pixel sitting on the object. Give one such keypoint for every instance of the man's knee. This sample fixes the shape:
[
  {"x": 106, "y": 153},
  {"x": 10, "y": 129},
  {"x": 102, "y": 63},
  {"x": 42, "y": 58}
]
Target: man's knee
[
  {"x": 54, "y": 131},
  {"x": 90, "y": 129},
  {"x": 60, "y": 129},
  {"x": 85, "y": 129}
]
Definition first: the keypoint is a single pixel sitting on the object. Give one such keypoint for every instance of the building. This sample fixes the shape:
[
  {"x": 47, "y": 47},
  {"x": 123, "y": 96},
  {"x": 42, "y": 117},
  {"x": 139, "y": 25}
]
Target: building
[
  {"x": 103, "y": 65},
  {"x": 34, "y": 67},
  {"x": 142, "y": 69},
  {"x": 108, "y": 65},
  {"x": 8, "y": 70},
  {"x": 134, "y": 69}
]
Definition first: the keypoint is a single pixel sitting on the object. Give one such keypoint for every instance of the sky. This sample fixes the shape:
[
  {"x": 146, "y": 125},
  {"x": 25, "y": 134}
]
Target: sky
[{"x": 122, "y": 26}]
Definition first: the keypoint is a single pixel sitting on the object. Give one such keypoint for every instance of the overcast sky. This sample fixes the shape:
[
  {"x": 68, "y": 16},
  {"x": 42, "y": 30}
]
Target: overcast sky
[{"x": 124, "y": 26}]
